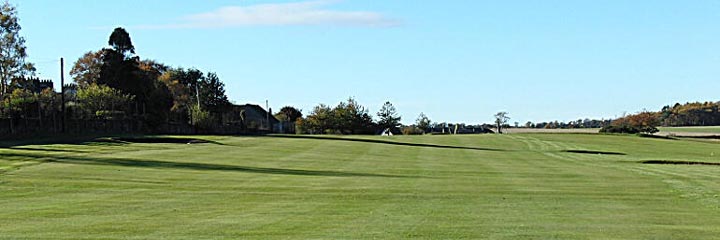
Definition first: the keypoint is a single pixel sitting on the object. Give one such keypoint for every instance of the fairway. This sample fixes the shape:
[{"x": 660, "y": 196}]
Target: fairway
[{"x": 517, "y": 186}]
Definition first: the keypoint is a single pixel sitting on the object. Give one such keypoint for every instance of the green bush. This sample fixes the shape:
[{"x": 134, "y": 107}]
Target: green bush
[
  {"x": 620, "y": 129},
  {"x": 100, "y": 100},
  {"x": 202, "y": 119},
  {"x": 109, "y": 114}
]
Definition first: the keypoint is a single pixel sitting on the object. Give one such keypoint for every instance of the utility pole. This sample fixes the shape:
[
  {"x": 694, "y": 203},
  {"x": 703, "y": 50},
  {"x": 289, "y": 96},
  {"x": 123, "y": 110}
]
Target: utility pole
[
  {"x": 267, "y": 116},
  {"x": 62, "y": 93},
  {"x": 197, "y": 94}
]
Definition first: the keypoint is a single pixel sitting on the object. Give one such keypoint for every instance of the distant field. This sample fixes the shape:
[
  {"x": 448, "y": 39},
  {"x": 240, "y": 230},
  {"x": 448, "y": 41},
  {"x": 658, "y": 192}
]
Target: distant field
[
  {"x": 683, "y": 130},
  {"x": 542, "y": 130},
  {"x": 515, "y": 186},
  {"x": 680, "y": 131}
]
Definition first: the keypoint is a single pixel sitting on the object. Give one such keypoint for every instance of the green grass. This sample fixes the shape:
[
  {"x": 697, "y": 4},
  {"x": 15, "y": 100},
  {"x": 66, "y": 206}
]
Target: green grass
[
  {"x": 521, "y": 186},
  {"x": 707, "y": 129}
]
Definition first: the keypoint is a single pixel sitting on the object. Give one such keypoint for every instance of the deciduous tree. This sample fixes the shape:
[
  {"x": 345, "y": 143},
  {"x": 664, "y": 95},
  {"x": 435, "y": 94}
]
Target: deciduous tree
[
  {"x": 319, "y": 121},
  {"x": 500, "y": 119},
  {"x": 289, "y": 114},
  {"x": 101, "y": 101},
  {"x": 423, "y": 122},
  {"x": 86, "y": 69},
  {"x": 12, "y": 49},
  {"x": 19, "y": 102}
]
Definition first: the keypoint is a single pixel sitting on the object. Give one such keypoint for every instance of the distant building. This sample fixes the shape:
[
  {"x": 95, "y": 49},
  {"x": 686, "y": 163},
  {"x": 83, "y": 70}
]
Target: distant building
[
  {"x": 33, "y": 84},
  {"x": 251, "y": 117}
]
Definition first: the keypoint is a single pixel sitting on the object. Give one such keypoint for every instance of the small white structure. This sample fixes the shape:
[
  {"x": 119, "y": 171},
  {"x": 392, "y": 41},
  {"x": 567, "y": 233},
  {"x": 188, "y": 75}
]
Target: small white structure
[{"x": 386, "y": 132}]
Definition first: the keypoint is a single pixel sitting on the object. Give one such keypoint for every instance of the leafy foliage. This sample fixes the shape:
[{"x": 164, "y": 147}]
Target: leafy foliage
[
  {"x": 87, "y": 68},
  {"x": 423, "y": 122},
  {"x": 49, "y": 101},
  {"x": 212, "y": 93},
  {"x": 346, "y": 118},
  {"x": 389, "y": 117},
  {"x": 289, "y": 114},
  {"x": 319, "y": 121},
  {"x": 12, "y": 48},
  {"x": 18, "y": 103},
  {"x": 121, "y": 42},
  {"x": 500, "y": 119},
  {"x": 643, "y": 122},
  {"x": 99, "y": 100},
  {"x": 185, "y": 85},
  {"x": 352, "y": 118},
  {"x": 412, "y": 130},
  {"x": 202, "y": 119},
  {"x": 619, "y": 129},
  {"x": 691, "y": 114},
  {"x": 178, "y": 82}
]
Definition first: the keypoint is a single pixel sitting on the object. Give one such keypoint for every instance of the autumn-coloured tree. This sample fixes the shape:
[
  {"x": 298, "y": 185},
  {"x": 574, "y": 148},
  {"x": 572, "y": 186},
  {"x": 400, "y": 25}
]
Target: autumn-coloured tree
[
  {"x": 645, "y": 122},
  {"x": 178, "y": 83},
  {"x": 191, "y": 87},
  {"x": 86, "y": 69},
  {"x": 691, "y": 114}
]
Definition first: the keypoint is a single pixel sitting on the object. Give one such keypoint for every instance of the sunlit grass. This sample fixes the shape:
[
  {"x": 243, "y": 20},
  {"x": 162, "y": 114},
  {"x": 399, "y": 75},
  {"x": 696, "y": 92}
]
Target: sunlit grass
[{"x": 522, "y": 186}]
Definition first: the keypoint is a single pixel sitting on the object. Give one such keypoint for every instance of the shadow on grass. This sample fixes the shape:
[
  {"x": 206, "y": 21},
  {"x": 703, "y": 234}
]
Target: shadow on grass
[
  {"x": 594, "y": 152},
  {"x": 657, "y": 136},
  {"x": 188, "y": 166},
  {"x": 675, "y": 162},
  {"x": 383, "y": 142},
  {"x": 43, "y": 149},
  {"x": 716, "y": 137},
  {"x": 103, "y": 141},
  {"x": 46, "y": 140},
  {"x": 175, "y": 140}
]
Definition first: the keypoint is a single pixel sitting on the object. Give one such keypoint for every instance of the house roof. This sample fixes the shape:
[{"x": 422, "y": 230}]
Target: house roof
[{"x": 257, "y": 108}]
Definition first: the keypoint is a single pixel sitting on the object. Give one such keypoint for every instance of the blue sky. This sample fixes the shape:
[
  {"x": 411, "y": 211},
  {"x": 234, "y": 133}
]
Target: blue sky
[{"x": 457, "y": 61}]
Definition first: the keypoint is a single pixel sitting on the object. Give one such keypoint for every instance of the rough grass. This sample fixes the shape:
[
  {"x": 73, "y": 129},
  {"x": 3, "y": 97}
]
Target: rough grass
[{"x": 421, "y": 187}]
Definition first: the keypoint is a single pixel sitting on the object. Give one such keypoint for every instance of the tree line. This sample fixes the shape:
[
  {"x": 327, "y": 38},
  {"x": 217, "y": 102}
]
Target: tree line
[
  {"x": 109, "y": 83},
  {"x": 348, "y": 117},
  {"x": 688, "y": 114},
  {"x": 580, "y": 123},
  {"x": 114, "y": 82}
]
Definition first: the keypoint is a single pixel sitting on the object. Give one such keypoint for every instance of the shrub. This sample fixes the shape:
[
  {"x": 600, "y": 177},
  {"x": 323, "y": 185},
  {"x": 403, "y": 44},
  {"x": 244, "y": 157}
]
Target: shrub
[
  {"x": 619, "y": 129},
  {"x": 109, "y": 114},
  {"x": 202, "y": 119},
  {"x": 19, "y": 102},
  {"x": 101, "y": 98},
  {"x": 412, "y": 130},
  {"x": 643, "y": 122}
]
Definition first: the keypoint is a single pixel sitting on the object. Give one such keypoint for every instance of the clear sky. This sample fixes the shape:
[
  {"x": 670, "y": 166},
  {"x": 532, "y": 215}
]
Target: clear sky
[{"x": 457, "y": 61}]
